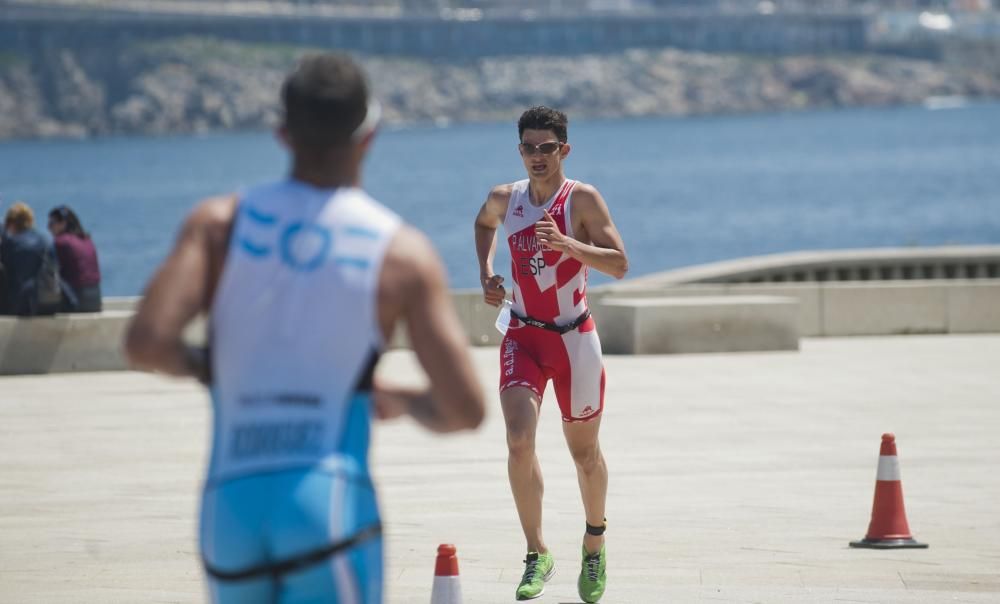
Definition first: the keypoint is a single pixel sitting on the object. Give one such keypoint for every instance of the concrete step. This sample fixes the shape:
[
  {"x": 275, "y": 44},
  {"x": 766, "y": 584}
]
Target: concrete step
[{"x": 698, "y": 324}]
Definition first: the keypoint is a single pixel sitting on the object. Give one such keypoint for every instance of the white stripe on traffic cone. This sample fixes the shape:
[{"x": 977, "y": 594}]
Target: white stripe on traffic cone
[{"x": 447, "y": 589}]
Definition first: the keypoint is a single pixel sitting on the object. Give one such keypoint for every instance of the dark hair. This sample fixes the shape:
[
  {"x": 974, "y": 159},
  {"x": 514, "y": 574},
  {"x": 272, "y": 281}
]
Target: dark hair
[
  {"x": 543, "y": 118},
  {"x": 73, "y": 226},
  {"x": 325, "y": 99}
]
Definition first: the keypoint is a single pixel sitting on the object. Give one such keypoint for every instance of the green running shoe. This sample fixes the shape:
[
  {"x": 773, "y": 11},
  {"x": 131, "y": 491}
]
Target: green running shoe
[
  {"x": 593, "y": 577},
  {"x": 538, "y": 568}
]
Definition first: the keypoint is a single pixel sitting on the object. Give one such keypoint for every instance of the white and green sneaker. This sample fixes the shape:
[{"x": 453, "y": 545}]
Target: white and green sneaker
[{"x": 538, "y": 568}]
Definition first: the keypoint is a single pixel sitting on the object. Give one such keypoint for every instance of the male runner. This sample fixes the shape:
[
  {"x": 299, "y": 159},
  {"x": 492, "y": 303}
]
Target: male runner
[
  {"x": 556, "y": 229},
  {"x": 304, "y": 280}
]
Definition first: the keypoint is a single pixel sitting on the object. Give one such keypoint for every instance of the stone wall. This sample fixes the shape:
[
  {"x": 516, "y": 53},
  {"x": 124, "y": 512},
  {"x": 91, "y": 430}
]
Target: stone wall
[{"x": 93, "y": 342}]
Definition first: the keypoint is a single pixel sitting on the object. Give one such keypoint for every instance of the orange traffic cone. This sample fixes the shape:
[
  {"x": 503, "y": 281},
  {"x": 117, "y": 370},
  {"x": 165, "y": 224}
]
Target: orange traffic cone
[
  {"x": 446, "y": 588},
  {"x": 888, "y": 528}
]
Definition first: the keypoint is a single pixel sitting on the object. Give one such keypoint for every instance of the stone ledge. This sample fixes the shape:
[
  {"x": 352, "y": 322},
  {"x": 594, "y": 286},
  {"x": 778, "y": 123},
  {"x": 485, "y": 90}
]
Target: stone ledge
[
  {"x": 859, "y": 308},
  {"x": 78, "y": 342},
  {"x": 92, "y": 342},
  {"x": 698, "y": 324},
  {"x": 943, "y": 263}
]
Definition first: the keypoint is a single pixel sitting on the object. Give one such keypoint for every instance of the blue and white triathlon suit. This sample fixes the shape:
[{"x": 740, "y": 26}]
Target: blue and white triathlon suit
[{"x": 295, "y": 337}]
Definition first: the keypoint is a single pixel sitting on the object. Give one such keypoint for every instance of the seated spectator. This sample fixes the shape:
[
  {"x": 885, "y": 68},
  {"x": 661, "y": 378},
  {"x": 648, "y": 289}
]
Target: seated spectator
[
  {"x": 31, "y": 270},
  {"x": 77, "y": 260}
]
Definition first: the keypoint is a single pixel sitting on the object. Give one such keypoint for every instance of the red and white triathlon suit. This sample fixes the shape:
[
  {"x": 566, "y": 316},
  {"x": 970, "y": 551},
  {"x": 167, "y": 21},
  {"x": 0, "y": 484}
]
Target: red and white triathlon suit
[{"x": 551, "y": 287}]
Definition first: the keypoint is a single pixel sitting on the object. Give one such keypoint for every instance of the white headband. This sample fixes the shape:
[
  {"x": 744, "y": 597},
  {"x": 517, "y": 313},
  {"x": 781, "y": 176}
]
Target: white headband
[{"x": 368, "y": 125}]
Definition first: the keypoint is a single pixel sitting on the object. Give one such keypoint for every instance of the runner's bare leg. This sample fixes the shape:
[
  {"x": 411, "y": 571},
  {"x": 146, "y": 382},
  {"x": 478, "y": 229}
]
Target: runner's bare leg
[
  {"x": 591, "y": 472},
  {"x": 520, "y": 411}
]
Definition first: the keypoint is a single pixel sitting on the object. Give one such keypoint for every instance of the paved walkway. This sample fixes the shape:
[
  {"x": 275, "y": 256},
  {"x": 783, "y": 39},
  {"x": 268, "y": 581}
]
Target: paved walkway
[{"x": 734, "y": 478}]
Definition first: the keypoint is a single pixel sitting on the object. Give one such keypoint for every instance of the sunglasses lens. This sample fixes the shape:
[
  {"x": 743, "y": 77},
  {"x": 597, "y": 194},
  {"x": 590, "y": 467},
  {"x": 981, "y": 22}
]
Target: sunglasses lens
[{"x": 544, "y": 148}]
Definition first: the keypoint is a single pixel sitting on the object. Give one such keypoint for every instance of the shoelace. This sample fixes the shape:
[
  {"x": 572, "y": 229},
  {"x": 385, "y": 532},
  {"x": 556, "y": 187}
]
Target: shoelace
[
  {"x": 593, "y": 563},
  {"x": 530, "y": 570}
]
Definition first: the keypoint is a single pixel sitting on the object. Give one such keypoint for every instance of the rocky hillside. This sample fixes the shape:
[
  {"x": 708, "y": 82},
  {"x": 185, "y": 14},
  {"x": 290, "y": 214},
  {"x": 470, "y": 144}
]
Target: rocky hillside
[{"x": 196, "y": 85}]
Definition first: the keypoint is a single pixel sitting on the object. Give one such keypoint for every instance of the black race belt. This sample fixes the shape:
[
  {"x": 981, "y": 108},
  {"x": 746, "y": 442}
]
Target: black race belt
[
  {"x": 552, "y": 326},
  {"x": 283, "y": 567}
]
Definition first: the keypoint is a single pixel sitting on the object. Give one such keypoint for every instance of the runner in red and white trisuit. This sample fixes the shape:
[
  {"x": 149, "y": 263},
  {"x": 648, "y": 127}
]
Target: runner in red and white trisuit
[
  {"x": 548, "y": 302},
  {"x": 556, "y": 229}
]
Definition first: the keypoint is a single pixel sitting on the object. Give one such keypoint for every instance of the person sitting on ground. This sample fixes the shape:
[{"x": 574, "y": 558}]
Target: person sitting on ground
[
  {"x": 30, "y": 265},
  {"x": 78, "y": 264}
]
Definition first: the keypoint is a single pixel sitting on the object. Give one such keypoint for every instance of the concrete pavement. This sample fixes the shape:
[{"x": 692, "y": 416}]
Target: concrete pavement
[{"x": 734, "y": 478}]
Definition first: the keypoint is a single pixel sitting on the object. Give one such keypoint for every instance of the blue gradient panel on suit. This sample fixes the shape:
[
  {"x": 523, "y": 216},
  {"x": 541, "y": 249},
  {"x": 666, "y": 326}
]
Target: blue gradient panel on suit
[{"x": 276, "y": 515}]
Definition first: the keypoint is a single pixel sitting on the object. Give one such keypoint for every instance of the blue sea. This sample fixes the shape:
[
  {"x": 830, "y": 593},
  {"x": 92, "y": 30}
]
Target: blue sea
[{"x": 682, "y": 191}]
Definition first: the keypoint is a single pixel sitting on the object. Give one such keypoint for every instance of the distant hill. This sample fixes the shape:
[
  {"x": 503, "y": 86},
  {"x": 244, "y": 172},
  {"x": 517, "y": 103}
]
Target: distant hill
[{"x": 202, "y": 84}]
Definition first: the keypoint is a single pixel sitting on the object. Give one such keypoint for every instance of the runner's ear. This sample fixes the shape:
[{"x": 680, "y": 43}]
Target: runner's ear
[
  {"x": 281, "y": 133},
  {"x": 366, "y": 141}
]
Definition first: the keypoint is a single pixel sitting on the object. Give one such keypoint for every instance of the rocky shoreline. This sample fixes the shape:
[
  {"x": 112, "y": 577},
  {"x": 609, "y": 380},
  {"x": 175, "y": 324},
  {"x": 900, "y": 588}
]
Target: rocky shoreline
[{"x": 199, "y": 85}]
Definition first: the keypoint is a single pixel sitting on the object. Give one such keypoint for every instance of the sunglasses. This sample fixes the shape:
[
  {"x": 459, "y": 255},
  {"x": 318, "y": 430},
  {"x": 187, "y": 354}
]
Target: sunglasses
[{"x": 545, "y": 148}]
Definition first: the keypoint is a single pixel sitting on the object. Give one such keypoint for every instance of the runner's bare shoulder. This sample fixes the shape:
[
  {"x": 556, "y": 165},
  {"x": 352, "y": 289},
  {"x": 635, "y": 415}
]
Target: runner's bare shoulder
[
  {"x": 213, "y": 217},
  {"x": 499, "y": 197},
  {"x": 586, "y": 194},
  {"x": 410, "y": 249},
  {"x": 589, "y": 204},
  {"x": 411, "y": 266},
  {"x": 502, "y": 191}
]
